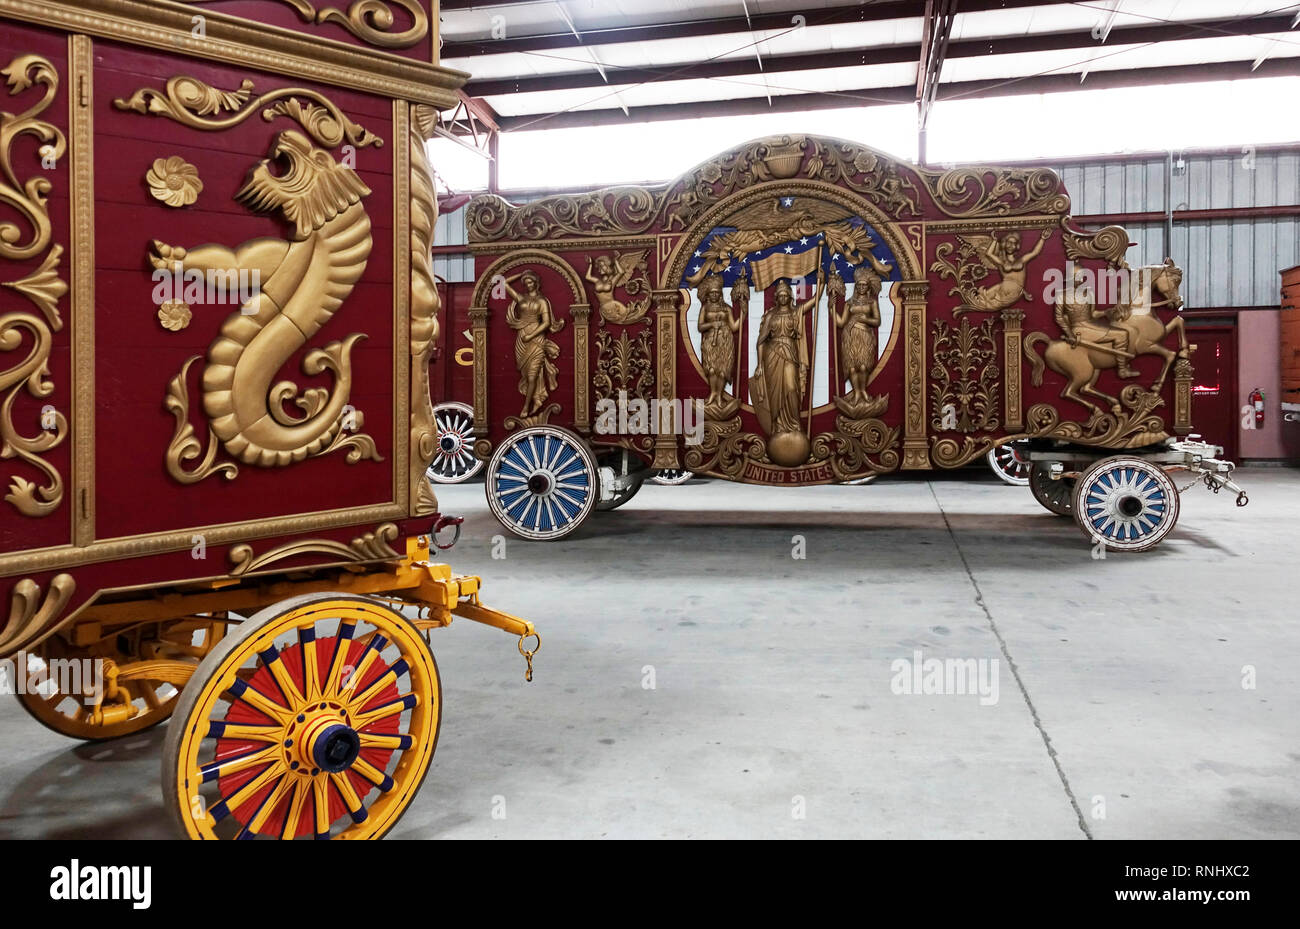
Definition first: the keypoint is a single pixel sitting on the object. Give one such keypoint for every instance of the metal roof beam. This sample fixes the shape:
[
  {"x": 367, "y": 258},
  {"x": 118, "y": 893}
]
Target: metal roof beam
[
  {"x": 939, "y": 16},
  {"x": 896, "y": 54},
  {"x": 883, "y": 96},
  {"x": 725, "y": 25}
]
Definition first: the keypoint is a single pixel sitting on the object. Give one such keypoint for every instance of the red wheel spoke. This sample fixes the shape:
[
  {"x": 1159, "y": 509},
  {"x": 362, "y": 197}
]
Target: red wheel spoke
[
  {"x": 385, "y": 710},
  {"x": 321, "y": 805},
  {"x": 356, "y": 809},
  {"x": 337, "y": 663},
  {"x": 373, "y": 774},
  {"x": 249, "y": 790},
  {"x": 268, "y": 806},
  {"x": 229, "y": 766},
  {"x": 259, "y": 701},
  {"x": 294, "y": 815},
  {"x": 271, "y": 661}
]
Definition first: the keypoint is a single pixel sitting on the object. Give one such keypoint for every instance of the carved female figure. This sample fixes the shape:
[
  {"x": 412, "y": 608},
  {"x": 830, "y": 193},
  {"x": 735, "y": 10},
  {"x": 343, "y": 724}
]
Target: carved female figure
[
  {"x": 718, "y": 327},
  {"x": 781, "y": 378},
  {"x": 606, "y": 274},
  {"x": 858, "y": 323},
  {"x": 530, "y": 315},
  {"x": 1003, "y": 255}
]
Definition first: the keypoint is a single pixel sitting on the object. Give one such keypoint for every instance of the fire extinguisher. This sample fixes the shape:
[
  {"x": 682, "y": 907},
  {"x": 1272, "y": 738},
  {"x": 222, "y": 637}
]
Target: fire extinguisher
[{"x": 1257, "y": 401}]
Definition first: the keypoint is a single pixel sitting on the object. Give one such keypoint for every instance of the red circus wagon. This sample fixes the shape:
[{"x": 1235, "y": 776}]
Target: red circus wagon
[
  {"x": 805, "y": 310},
  {"x": 218, "y": 317}
]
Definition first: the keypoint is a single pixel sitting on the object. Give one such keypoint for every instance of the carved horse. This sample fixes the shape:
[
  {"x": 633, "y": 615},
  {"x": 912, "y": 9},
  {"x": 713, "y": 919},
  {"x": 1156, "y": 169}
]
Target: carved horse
[{"x": 1082, "y": 359}]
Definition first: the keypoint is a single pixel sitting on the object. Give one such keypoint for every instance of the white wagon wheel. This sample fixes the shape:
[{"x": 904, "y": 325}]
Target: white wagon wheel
[
  {"x": 1008, "y": 465},
  {"x": 672, "y": 476},
  {"x": 454, "y": 461},
  {"x": 1127, "y": 503},
  {"x": 542, "y": 483}
]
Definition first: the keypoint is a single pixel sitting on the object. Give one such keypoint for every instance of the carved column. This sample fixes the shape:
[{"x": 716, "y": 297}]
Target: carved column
[
  {"x": 478, "y": 318},
  {"x": 916, "y": 447},
  {"x": 581, "y": 361},
  {"x": 1183, "y": 374},
  {"x": 1012, "y": 318},
  {"x": 666, "y": 303}
]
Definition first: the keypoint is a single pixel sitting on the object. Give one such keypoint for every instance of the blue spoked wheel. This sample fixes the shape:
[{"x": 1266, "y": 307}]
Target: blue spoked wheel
[
  {"x": 542, "y": 483},
  {"x": 1127, "y": 503}
]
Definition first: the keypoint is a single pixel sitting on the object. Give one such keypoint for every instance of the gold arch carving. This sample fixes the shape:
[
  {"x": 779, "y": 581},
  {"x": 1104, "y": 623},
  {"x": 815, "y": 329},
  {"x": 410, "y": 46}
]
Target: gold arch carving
[
  {"x": 535, "y": 256},
  {"x": 579, "y": 311},
  {"x": 910, "y": 263}
]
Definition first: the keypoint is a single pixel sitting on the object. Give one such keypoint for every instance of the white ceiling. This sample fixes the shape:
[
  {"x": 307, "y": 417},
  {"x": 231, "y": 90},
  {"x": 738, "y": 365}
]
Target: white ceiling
[{"x": 548, "y": 17}]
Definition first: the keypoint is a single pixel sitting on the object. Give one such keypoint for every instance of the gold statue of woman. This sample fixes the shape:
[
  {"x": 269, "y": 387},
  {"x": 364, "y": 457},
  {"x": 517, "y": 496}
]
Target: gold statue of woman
[
  {"x": 858, "y": 323},
  {"x": 718, "y": 326},
  {"x": 780, "y": 380},
  {"x": 606, "y": 274},
  {"x": 530, "y": 315},
  {"x": 1003, "y": 255}
]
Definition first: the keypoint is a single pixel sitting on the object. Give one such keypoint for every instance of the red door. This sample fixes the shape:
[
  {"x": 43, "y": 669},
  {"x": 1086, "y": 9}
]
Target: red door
[{"x": 1215, "y": 414}]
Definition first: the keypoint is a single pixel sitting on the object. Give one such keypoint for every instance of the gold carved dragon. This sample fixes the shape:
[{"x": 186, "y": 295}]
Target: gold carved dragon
[{"x": 303, "y": 282}]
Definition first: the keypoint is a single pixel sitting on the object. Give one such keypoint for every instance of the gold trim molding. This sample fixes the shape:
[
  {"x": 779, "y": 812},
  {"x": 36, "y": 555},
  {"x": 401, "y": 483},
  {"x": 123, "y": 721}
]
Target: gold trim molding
[
  {"x": 416, "y": 212},
  {"x": 81, "y": 122},
  {"x": 916, "y": 449},
  {"x": 66, "y": 556},
  {"x": 167, "y": 25},
  {"x": 367, "y": 20},
  {"x": 31, "y": 610},
  {"x": 371, "y": 546},
  {"x": 667, "y": 304},
  {"x": 198, "y": 105}
]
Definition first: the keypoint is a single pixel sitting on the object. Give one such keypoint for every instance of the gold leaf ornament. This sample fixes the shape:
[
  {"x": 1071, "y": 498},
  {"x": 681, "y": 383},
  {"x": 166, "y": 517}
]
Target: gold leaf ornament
[
  {"x": 174, "y": 181},
  {"x": 174, "y": 315}
]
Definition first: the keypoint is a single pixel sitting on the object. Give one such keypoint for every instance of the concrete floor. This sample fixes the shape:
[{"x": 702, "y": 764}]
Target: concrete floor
[{"x": 1121, "y": 712}]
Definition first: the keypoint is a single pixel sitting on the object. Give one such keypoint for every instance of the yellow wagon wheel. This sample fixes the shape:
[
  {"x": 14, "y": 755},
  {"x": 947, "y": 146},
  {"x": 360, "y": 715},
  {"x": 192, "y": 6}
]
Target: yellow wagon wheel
[
  {"x": 60, "y": 677},
  {"x": 316, "y": 718}
]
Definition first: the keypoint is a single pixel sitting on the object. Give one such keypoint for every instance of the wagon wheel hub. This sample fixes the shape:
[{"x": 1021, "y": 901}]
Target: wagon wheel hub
[
  {"x": 1131, "y": 507},
  {"x": 539, "y": 483},
  {"x": 325, "y": 743}
]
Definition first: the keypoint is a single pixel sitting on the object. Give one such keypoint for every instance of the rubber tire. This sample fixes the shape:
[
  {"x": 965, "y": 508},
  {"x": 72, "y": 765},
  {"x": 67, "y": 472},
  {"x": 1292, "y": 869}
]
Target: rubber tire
[
  {"x": 1061, "y": 502},
  {"x": 606, "y": 506}
]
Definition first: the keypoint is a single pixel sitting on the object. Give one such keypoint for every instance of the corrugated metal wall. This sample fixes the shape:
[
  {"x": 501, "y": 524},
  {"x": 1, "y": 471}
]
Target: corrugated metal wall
[
  {"x": 451, "y": 231},
  {"x": 1225, "y": 262}
]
